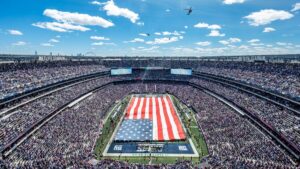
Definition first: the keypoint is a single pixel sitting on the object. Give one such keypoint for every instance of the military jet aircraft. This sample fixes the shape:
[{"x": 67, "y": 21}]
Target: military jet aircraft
[{"x": 189, "y": 11}]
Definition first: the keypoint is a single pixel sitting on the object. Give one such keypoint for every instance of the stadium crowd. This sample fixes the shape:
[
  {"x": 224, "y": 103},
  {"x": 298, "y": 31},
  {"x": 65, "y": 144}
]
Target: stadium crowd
[
  {"x": 15, "y": 123},
  {"x": 280, "y": 78},
  {"x": 282, "y": 120},
  {"x": 113, "y": 164},
  {"x": 67, "y": 140},
  {"x": 232, "y": 141},
  {"x": 18, "y": 78}
]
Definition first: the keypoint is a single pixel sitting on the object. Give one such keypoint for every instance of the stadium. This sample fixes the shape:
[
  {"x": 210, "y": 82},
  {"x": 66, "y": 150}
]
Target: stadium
[
  {"x": 149, "y": 84},
  {"x": 150, "y": 112}
]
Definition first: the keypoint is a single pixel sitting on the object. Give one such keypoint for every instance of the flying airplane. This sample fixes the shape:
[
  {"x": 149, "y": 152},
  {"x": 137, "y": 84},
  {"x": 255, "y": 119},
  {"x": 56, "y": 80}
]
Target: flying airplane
[
  {"x": 189, "y": 10},
  {"x": 148, "y": 34}
]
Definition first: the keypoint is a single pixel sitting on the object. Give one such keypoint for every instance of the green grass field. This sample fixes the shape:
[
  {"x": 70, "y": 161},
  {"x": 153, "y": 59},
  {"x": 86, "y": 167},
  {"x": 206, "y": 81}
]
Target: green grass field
[
  {"x": 192, "y": 127},
  {"x": 190, "y": 124},
  {"x": 109, "y": 126}
]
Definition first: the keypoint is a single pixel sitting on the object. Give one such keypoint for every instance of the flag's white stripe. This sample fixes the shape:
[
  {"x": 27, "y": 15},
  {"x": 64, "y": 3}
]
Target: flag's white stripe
[
  {"x": 133, "y": 107},
  {"x": 172, "y": 121},
  {"x": 139, "y": 112},
  {"x": 147, "y": 108},
  {"x": 154, "y": 128},
  {"x": 163, "y": 120}
]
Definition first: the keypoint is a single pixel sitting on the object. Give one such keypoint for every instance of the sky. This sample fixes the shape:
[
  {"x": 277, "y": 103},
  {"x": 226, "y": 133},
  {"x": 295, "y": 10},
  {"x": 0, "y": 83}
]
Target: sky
[{"x": 150, "y": 27}]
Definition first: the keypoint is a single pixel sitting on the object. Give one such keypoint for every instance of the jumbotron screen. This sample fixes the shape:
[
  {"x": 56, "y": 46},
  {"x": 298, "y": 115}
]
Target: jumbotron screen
[
  {"x": 121, "y": 71},
  {"x": 181, "y": 71}
]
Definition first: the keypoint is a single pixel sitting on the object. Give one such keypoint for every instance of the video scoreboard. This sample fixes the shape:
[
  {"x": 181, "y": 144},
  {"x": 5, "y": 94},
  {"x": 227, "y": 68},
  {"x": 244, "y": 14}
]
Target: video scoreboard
[
  {"x": 121, "y": 71},
  {"x": 187, "y": 72}
]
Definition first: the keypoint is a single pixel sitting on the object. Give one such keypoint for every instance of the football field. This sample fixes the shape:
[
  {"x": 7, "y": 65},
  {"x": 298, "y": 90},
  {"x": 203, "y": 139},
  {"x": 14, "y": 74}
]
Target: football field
[{"x": 148, "y": 125}]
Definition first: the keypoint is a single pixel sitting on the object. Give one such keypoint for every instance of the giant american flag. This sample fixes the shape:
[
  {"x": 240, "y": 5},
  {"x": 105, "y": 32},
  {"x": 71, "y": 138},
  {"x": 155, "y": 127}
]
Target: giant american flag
[{"x": 152, "y": 118}]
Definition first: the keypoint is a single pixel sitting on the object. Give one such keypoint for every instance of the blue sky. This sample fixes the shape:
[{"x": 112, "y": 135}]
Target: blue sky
[{"x": 119, "y": 27}]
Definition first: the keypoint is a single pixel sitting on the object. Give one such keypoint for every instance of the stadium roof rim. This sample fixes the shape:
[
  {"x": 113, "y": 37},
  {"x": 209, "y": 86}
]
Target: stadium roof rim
[{"x": 268, "y": 58}]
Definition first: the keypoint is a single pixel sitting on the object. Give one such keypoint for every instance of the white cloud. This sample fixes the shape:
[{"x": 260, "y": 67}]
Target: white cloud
[
  {"x": 283, "y": 44},
  {"x": 168, "y": 10},
  {"x": 257, "y": 44},
  {"x": 205, "y": 25},
  {"x": 232, "y": 46},
  {"x": 60, "y": 27},
  {"x": 269, "y": 29},
  {"x": 214, "y": 29},
  {"x": 224, "y": 42},
  {"x": 47, "y": 44},
  {"x": 135, "y": 40},
  {"x": 214, "y": 26},
  {"x": 234, "y": 40},
  {"x": 230, "y": 41},
  {"x": 101, "y": 44},
  {"x": 143, "y": 49},
  {"x": 167, "y": 33},
  {"x": 20, "y": 43},
  {"x": 15, "y": 32},
  {"x": 143, "y": 34},
  {"x": 140, "y": 23},
  {"x": 201, "y": 25},
  {"x": 175, "y": 33},
  {"x": 53, "y": 41},
  {"x": 98, "y": 43},
  {"x": 296, "y": 7},
  {"x": 229, "y": 2},
  {"x": 205, "y": 43},
  {"x": 113, "y": 10},
  {"x": 215, "y": 33},
  {"x": 267, "y": 16},
  {"x": 95, "y": 3},
  {"x": 253, "y": 41},
  {"x": 99, "y": 38},
  {"x": 243, "y": 47},
  {"x": 77, "y": 18},
  {"x": 163, "y": 40},
  {"x": 185, "y": 50},
  {"x": 186, "y": 27},
  {"x": 234, "y": 50}
]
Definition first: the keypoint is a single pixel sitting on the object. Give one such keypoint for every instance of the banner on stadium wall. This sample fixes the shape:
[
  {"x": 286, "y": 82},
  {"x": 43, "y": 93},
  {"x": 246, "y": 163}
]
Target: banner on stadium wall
[
  {"x": 181, "y": 72},
  {"x": 121, "y": 71}
]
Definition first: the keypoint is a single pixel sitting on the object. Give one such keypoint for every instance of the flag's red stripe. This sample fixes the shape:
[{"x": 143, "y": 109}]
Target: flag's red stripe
[
  {"x": 129, "y": 107},
  {"x": 150, "y": 109},
  {"x": 144, "y": 108},
  {"x": 167, "y": 120},
  {"x": 177, "y": 122},
  {"x": 159, "y": 123},
  {"x": 135, "y": 112}
]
